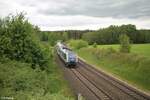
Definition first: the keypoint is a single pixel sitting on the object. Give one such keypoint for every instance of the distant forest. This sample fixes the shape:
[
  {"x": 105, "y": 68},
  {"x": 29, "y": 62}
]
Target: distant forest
[{"x": 107, "y": 35}]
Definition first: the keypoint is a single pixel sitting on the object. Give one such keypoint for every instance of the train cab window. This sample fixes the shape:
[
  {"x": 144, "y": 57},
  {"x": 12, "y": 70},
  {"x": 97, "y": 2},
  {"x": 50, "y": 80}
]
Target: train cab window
[{"x": 64, "y": 55}]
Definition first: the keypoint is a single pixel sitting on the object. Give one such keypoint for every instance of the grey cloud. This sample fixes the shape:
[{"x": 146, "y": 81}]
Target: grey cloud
[
  {"x": 63, "y": 13},
  {"x": 98, "y": 8}
]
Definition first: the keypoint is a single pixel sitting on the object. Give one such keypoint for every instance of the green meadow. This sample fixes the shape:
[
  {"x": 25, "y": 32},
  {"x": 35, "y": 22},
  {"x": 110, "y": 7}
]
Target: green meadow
[{"x": 142, "y": 49}]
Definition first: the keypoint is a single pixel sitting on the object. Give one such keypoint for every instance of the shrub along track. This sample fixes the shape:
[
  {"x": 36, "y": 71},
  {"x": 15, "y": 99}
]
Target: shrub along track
[{"x": 96, "y": 85}]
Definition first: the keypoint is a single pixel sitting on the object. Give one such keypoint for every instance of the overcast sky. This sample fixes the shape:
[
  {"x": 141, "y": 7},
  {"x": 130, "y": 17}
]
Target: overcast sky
[{"x": 80, "y": 14}]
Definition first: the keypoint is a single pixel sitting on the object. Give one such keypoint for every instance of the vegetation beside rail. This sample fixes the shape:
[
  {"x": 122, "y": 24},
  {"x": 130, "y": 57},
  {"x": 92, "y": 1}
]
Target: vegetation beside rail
[
  {"x": 132, "y": 67},
  {"x": 27, "y": 67}
]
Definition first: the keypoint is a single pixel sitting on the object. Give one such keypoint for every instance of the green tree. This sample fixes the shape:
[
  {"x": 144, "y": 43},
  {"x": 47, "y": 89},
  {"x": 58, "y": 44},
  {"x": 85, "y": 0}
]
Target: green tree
[
  {"x": 77, "y": 44},
  {"x": 91, "y": 37},
  {"x": 65, "y": 36},
  {"x": 124, "y": 43},
  {"x": 54, "y": 37},
  {"x": 44, "y": 36},
  {"x": 18, "y": 41},
  {"x": 95, "y": 45}
]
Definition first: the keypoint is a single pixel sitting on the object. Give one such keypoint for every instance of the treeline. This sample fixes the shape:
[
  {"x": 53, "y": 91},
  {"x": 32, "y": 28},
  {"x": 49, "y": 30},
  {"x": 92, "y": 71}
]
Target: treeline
[
  {"x": 108, "y": 35},
  {"x": 53, "y": 36},
  {"x": 76, "y": 34},
  {"x": 18, "y": 41},
  {"x": 111, "y": 35}
]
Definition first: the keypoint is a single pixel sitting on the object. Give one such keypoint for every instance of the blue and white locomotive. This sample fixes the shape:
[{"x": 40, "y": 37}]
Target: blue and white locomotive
[{"x": 67, "y": 55}]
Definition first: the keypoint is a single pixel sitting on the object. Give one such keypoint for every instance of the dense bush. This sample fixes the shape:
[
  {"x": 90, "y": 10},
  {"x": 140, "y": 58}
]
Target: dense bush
[
  {"x": 21, "y": 82},
  {"x": 77, "y": 44},
  {"x": 95, "y": 45},
  {"x": 101, "y": 53},
  {"x": 18, "y": 41},
  {"x": 124, "y": 43}
]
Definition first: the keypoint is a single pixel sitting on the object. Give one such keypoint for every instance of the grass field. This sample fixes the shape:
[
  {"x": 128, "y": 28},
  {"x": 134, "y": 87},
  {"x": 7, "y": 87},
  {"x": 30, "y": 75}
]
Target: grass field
[
  {"x": 143, "y": 49},
  {"x": 133, "y": 67}
]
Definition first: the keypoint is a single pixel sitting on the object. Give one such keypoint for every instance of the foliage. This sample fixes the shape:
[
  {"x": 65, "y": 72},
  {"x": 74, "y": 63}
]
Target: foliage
[
  {"x": 77, "y": 44},
  {"x": 76, "y": 34},
  {"x": 111, "y": 34},
  {"x": 44, "y": 36},
  {"x": 27, "y": 68},
  {"x": 20, "y": 81},
  {"x": 65, "y": 36},
  {"x": 108, "y": 35},
  {"x": 91, "y": 37},
  {"x": 18, "y": 41},
  {"x": 124, "y": 43},
  {"x": 95, "y": 45},
  {"x": 53, "y": 37},
  {"x": 143, "y": 36}
]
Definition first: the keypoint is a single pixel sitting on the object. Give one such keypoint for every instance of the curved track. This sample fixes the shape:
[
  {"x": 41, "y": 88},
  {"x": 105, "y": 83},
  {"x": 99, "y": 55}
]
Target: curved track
[
  {"x": 110, "y": 85},
  {"x": 91, "y": 86},
  {"x": 100, "y": 86}
]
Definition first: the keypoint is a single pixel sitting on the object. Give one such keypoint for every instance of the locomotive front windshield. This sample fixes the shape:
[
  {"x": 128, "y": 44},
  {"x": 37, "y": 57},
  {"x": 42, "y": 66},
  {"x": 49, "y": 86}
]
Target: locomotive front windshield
[{"x": 72, "y": 56}]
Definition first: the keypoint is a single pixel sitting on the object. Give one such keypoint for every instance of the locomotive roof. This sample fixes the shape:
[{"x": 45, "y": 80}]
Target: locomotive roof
[{"x": 64, "y": 48}]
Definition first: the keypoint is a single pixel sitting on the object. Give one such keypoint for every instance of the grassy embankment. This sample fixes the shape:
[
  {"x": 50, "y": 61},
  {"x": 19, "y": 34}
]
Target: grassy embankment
[{"x": 133, "y": 67}]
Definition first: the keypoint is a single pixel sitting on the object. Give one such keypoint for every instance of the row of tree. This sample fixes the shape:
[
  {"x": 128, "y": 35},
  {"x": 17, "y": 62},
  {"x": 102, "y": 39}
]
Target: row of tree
[
  {"x": 53, "y": 36},
  {"x": 111, "y": 35},
  {"x": 108, "y": 35}
]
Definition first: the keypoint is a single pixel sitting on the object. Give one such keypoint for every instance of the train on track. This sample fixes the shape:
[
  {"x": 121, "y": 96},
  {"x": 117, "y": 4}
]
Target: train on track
[{"x": 67, "y": 55}]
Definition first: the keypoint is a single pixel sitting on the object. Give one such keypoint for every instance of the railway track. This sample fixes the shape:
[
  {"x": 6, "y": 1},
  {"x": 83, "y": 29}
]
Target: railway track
[
  {"x": 101, "y": 85},
  {"x": 113, "y": 87},
  {"x": 91, "y": 86}
]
